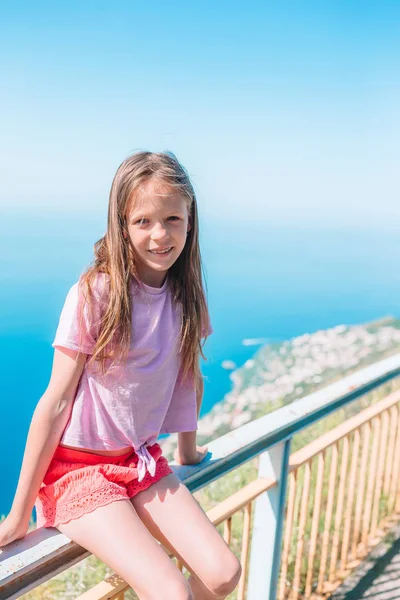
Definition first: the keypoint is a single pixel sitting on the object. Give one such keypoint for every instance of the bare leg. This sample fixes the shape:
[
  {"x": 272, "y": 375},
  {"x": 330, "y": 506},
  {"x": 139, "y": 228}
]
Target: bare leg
[
  {"x": 173, "y": 516},
  {"x": 116, "y": 535}
]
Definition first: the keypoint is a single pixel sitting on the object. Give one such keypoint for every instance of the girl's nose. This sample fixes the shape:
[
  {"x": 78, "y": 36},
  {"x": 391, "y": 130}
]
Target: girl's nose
[{"x": 159, "y": 231}]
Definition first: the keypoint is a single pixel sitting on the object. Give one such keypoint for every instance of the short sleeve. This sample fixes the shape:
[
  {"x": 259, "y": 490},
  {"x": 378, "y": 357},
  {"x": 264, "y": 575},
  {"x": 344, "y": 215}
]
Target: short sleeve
[
  {"x": 182, "y": 411},
  {"x": 79, "y": 327}
]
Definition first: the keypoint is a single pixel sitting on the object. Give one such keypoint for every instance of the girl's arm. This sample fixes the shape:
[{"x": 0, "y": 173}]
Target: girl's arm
[
  {"x": 188, "y": 453},
  {"x": 48, "y": 423}
]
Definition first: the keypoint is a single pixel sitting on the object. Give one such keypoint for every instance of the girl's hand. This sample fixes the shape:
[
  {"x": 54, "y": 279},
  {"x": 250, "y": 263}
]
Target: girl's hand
[
  {"x": 11, "y": 530},
  {"x": 201, "y": 453}
]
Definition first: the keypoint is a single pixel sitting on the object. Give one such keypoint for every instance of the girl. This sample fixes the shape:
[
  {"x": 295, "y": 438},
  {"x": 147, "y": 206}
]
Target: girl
[{"x": 126, "y": 368}]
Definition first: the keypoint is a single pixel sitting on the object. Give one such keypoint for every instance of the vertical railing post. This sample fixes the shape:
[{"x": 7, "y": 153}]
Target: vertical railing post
[{"x": 268, "y": 525}]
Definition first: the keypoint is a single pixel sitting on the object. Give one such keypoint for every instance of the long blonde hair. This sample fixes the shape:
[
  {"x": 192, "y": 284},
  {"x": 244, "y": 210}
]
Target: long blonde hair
[{"x": 115, "y": 256}]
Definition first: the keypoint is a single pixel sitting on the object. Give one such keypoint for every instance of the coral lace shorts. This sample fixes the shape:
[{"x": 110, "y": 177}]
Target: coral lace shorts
[{"x": 78, "y": 482}]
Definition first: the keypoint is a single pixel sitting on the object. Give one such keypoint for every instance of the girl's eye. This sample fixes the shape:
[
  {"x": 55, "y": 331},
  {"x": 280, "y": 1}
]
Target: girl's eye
[{"x": 144, "y": 221}]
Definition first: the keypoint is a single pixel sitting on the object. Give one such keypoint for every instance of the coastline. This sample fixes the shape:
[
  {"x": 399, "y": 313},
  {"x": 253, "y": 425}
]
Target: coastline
[{"x": 282, "y": 372}]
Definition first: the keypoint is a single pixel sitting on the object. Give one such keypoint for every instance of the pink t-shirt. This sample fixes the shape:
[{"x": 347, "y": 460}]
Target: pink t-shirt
[{"x": 140, "y": 398}]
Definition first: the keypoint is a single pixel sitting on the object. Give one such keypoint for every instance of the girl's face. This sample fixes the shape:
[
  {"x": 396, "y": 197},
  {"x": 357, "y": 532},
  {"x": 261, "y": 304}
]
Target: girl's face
[{"x": 158, "y": 223}]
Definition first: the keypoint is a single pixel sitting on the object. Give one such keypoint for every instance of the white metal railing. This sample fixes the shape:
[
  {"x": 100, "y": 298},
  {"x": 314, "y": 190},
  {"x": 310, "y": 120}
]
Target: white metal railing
[{"x": 45, "y": 552}]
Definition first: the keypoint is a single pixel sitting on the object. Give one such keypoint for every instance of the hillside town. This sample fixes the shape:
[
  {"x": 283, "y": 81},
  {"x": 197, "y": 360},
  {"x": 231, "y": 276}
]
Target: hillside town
[{"x": 283, "y": 372}]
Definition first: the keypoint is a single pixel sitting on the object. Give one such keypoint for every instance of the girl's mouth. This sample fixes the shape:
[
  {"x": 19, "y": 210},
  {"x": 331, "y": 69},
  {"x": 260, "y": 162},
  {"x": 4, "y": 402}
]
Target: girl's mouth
[{"x": 163, "y": 252}]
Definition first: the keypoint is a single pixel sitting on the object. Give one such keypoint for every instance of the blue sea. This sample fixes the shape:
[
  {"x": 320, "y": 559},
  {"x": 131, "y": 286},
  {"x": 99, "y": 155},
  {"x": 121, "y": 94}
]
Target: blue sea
[{"x": 264, "y": 281}]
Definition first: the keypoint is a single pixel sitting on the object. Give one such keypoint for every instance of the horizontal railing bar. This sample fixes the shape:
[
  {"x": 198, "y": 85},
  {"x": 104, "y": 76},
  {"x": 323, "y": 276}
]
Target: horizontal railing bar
[
  {"x": 109, "y": 588},
  {"x": 239, "y": 499},
  {"x": 18, "y": 567},
  {"x": 330, "y": 437},
  {"x": 39, "y": 556},
  {"x": 287, "y": 423}
]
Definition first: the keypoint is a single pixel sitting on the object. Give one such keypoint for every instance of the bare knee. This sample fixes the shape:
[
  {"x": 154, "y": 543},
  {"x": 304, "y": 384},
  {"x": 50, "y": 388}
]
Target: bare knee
[
  {"x": 178, "y": 590},
  {"x": 226, "y": 578}
]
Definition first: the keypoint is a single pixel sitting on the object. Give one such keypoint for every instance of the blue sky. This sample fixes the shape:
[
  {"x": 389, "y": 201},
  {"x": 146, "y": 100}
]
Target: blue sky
[{"x": 283, "y": 112}]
